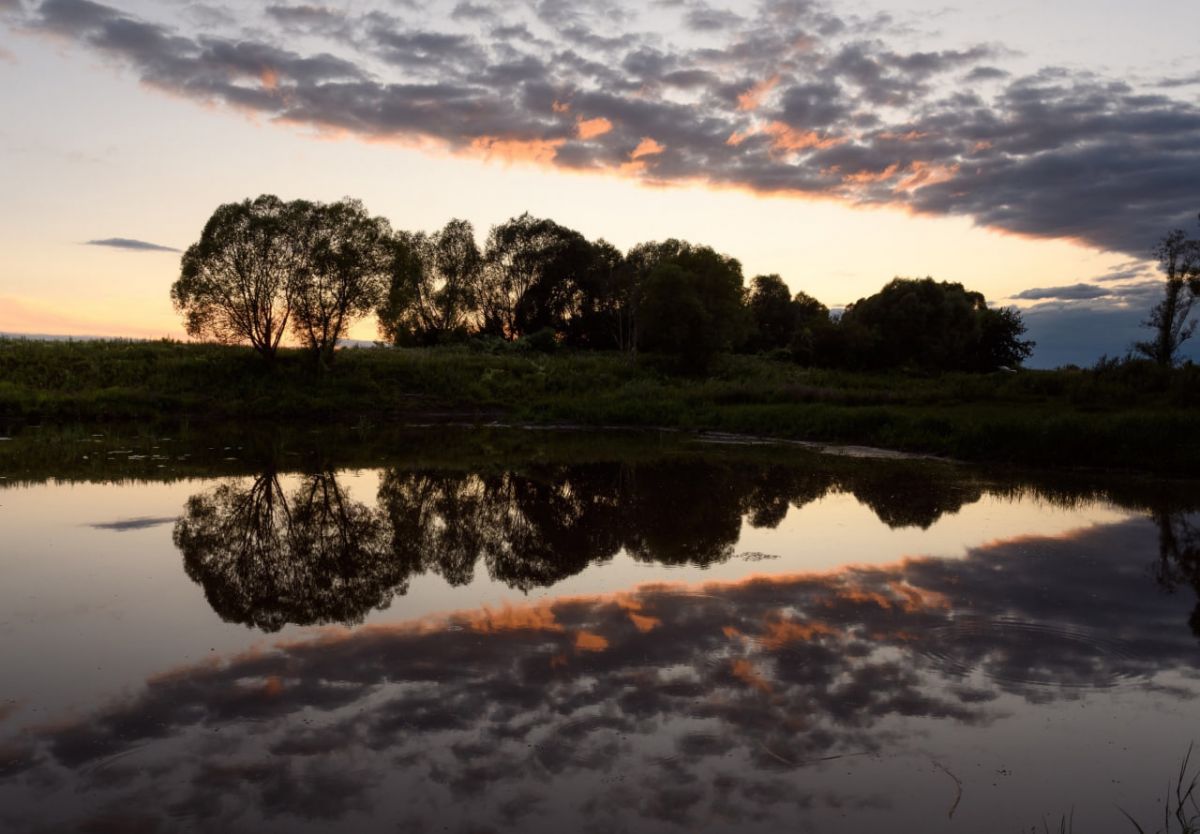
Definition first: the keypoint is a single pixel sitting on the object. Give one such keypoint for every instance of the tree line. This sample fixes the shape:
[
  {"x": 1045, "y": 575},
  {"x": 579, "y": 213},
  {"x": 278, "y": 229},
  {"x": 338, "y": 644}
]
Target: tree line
[{"x": 266, "y": 267}]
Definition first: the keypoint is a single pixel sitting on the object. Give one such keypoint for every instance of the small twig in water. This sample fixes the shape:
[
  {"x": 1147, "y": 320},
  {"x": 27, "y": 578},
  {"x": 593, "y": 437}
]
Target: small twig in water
[{"x": 957, "y": 786}]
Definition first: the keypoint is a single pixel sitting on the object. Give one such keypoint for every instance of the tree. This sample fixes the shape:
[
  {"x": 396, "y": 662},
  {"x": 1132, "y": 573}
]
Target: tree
[
  {"x": 433, "y": 287},
  {"x": 1179, "y": 259},
  {"x": 773, "y": 316},
  {"x": 812, "y": 328},
  {"x": 532, "y": 273},
  {"x": 933, "y": 326},
  {"x": 691, "y": 302},
  {"x": 346, "y": 257},
  {"x": 267, "y": 559},
  {"x": 236, "y": 284}
]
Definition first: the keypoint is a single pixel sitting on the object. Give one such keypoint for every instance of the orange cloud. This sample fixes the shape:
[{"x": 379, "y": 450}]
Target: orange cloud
[
  {"x": 868, "y": 177},
  {"x": 541, "y": 151},
  {"x": 647, "y": 147},
  {"x": 269, "y": 79},
  {"x": 591, "y": 128},
  {"x": 561, "y": 107},
  {"x": 785, "y": 138},
  {"x": 752, "y": 98},
  {"x": 744, "y": 671},
  {"x": 512, "y": 618},
  {"x": 586, "y": 641}
]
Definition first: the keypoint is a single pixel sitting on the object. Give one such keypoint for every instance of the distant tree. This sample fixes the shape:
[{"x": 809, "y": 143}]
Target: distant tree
[
  {"x": 532, "y": 273},
  {"x": 773, "y": 315},
  {"x": 237, "y": 283},
  {"x": 432, "y": 293},
  {"x": 343, "y": 276},
  {"x": 811, "y": 330},
  {"x": 930, "y": 325},
  {"x": 691, "y": 302},
  {"x": 1179, "y": 259}
]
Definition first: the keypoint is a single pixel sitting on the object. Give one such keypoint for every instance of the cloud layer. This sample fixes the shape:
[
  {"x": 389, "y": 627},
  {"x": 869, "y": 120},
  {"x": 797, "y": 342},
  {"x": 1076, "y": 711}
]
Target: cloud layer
[{"x": 788, "y": 97}]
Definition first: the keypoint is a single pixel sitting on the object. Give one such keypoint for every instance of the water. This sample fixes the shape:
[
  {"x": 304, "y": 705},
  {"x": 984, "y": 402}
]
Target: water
[{"x": 485, "y": 630}]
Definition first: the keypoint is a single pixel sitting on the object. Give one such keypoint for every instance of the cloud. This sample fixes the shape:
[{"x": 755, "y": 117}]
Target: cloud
[
  {"x": 126, "y": 524},
  {"x": 130, "y": 244},
  {"x": 1072, "y": 292},
  {"x": 1056, "y": 153}
]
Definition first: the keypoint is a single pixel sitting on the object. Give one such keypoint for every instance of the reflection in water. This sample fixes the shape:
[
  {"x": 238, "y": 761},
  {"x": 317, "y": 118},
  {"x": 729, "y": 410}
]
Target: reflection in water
[
  {"x": 267, "y": 559},
  {"x": 733, "y": 706},
  {"x": 1179, "y": 557}
]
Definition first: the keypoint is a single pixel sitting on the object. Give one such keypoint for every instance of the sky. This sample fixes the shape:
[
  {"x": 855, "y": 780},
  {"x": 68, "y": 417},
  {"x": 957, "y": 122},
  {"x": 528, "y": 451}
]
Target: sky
[{"x": 1034, "y": 152}]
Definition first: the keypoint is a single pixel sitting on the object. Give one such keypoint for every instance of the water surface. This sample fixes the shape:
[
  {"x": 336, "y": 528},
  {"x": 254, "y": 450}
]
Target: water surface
[{"x": 501, "y": 630}]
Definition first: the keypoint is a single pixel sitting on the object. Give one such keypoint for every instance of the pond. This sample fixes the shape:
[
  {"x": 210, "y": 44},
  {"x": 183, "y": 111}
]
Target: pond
[{"x": 451, "y": 629}]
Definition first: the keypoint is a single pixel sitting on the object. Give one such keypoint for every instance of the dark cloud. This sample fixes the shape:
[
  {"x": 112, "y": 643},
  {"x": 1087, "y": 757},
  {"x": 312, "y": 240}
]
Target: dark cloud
[
  {"x": 125, "y": 524},
  {"x": 1072, "y": 292},
  {"x": 794, "y": 97},
  {"x": 130, "y": 243}
]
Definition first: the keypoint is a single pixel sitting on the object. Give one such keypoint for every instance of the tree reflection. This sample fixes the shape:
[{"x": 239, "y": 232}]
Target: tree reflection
[
  {"x": 1179, "y": 557},
  {"x": 266, "y": 558}
]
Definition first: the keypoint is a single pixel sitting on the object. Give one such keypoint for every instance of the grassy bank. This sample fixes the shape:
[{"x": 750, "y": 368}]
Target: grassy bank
[{"x": 1130, "y": 418}]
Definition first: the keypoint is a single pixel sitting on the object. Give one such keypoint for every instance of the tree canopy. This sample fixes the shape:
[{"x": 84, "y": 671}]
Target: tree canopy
[{"x": 266, "y": 267}]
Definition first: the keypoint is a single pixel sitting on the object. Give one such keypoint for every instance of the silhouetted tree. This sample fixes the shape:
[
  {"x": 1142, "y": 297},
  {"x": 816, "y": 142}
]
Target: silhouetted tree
[
  {"x": 237, "y": 283},
  {"x": 812, "y": 327},
  {"x": 345, "y": 264},
  {"x": 773, "y": 315},
  {"x": 605, "y": 311},
  {"x": 691, "y": 301},
  {"x": 434, "y": 284},
  {"x": 931, "y": 325},
  {"x": 532, "y": 272},
  {"x": 1179, "y": 259}
]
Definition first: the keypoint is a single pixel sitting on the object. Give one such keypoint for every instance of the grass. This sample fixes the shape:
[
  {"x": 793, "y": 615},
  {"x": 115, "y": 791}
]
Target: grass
[
  {"x": 1130, "y": 417},
  {"x": 1181, "y": 813}
]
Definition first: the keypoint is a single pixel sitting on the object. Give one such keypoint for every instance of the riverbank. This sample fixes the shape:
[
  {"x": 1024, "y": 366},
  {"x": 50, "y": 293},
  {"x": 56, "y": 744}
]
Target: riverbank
[{"x": 1115, "y": 418}]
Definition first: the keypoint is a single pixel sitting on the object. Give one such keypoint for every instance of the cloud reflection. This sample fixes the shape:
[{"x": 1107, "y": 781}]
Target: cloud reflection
[{"x": 689, "y": 703}]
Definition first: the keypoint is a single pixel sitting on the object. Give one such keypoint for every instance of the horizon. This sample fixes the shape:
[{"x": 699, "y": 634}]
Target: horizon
[{"x": 836, "y": 148}]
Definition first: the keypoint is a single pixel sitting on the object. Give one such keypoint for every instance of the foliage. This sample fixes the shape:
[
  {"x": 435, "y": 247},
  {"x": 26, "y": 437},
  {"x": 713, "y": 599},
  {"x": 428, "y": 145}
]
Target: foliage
[
  {"x": 690, "y": 303},
  {"x": 433, "y": 290},
  {"x": 344, "y": 262},
  {"x": 1179, "y": 259},
  {"x": 236, "y": 284},
  {"x": 532, "y": 273},
  {"x": 931, "y": 326}
]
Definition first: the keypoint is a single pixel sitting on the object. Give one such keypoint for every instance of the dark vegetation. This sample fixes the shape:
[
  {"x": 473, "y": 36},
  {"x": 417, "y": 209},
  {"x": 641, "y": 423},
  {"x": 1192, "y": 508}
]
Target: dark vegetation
[
  {"x": 545, "y": 326},
  {"x": 263, "y": 267},
  {"x": 1118, "y": 415}
]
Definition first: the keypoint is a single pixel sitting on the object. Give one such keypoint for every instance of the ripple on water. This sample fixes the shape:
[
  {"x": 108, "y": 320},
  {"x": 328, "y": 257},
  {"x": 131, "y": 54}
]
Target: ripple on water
[{"x": 1030, "y": 653}]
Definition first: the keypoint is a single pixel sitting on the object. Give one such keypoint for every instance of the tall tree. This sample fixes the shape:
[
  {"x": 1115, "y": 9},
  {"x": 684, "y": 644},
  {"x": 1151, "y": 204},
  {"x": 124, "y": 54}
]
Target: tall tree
[
  {"x": 532, "y": 272},
  {"x": 1179, "y": 258},
  {"x": 343, "y": 273},
  {"x": 434, "y": 284},
  {"x": 236, "y": 284}
]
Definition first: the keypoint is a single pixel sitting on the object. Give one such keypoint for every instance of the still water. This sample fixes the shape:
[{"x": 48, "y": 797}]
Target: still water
[{"x": 490, "y": 630}]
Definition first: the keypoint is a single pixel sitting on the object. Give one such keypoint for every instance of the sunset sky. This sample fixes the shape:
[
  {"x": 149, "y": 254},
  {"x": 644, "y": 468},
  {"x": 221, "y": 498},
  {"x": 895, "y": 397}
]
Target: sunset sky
[{"x": 1032, "y": 151}]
